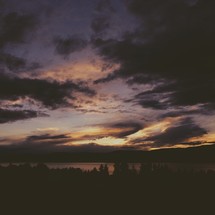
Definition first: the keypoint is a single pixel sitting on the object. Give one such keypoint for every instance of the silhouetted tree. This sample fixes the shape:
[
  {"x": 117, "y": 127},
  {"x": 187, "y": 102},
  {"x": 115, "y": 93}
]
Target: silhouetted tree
[
  {"x": 145, "y": 168},
  {"x": 41, "y": 166},
  {"x": 121, "y": 169},
  {"x": 106, "y": 171},
  {"x": 94, "y": 172},
  {"x": 133, "y": 171},
  {"x": 103, "y": 170}
]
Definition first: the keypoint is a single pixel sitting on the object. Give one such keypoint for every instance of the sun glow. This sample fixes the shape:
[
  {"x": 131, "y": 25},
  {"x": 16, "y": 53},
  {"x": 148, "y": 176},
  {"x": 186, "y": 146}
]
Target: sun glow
[
  {"x": 100, "y": 135},
  {"x": 110, "y": 141}
]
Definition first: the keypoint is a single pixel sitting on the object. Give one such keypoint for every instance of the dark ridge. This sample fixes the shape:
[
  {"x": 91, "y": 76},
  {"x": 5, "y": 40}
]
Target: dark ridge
[{"x": 193, "y": 154}]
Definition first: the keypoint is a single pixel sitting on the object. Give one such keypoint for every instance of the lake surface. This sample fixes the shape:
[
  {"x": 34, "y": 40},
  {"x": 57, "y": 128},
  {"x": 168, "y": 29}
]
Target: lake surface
[{"x": 91, "y": 166}]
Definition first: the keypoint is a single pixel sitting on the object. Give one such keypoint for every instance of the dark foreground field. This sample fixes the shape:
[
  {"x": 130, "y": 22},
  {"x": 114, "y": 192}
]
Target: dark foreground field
[{"x": 153, "y": 190}]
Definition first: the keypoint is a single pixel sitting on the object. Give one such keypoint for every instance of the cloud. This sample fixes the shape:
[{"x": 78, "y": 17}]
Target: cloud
[
  {"x": 51, "y": 94},
  {"x": 14, "y": 30},
  {"x": 47, "y": 129},
  {"x": 184, "y": 112},
  {"x": 126, "y": 128},
  {"x": 149, "y": 103},
  {"x": 178, "y": 134},
  {"x": 109, "y": 77},
  {"x": 50, "y": 143},
  {"x": 66, "y": 46},
  {"x": 105, "y": 5},
  {"x": 110, "y": 135},
  {"x": 185, "y": 92},
  {"x": 15, "y": 115},
  {"x": 100, "y": 24},
  {"x": 106, "y": 134},
  {"x": 173, "y": 43},
  {"x": 36, "y": 143},
  {"x": 46, "y": 140},
  {"x": 15, "y": 27},
  {"x": 12, "y": 62},
  {"x": 148, "y": 99},
  {"x": 101, "y": 21}
]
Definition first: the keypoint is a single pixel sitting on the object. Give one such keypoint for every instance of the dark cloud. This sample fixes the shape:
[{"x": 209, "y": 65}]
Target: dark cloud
[
  {"x": 116, "y": 130},
  {"x": 129, "y": 127},
  {"x": 105, "y": 5},
  {"x": 177, "y": 134},
  {"x": 101, "y": 21},
  {"x": 15, "y": 115},
  {"x": 51, "y": 143},
  {"x": 46, "y": 137},
  {"x": 11, "y": 62},
  {"x": 185, "y": 92},
  {"x": 46, "y": 140},
  {"x": 143, "y": 79},
  {"x": 14, "y": 28},
  {"x": 66, "y": 46},
  {"x": 39, "y": 143},
  {"x": 184, "y": 112},
  {"x": 147, "y": 99},
  {"x": 109, "y": 77},
  {"x": 100, "y": 24},
  {"x": 50, "y": 94},
  {"x": 154, "y": 104},
  {"x": 174, "y": 42}
]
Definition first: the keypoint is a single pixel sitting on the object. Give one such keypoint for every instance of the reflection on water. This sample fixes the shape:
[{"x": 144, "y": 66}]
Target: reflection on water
[{"x": 91, "y": 166}]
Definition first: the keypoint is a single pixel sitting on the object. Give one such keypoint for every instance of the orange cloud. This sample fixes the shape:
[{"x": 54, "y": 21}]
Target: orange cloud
[{"x": 85, "y": 69}]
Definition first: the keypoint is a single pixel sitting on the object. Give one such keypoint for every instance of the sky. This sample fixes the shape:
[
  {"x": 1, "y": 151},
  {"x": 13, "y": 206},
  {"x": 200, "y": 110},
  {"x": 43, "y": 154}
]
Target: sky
[{"x": 104, "y": 75}]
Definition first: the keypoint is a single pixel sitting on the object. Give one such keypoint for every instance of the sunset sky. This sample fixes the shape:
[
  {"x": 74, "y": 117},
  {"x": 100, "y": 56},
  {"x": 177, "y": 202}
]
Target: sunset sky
[{"x": 101, "y": 75}]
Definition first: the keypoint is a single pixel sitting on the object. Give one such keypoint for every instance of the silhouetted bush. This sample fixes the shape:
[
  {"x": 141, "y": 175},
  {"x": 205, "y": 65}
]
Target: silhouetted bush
[{"x": 153, "y": 186}]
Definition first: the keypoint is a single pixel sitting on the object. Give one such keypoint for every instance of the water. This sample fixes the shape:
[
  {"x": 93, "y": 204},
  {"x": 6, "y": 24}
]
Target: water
[{"x": 91, "y": 166}]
